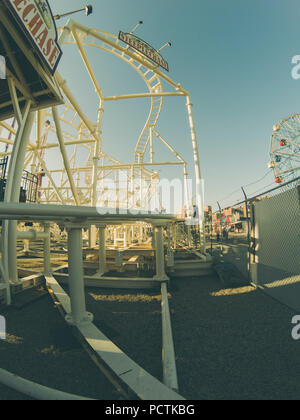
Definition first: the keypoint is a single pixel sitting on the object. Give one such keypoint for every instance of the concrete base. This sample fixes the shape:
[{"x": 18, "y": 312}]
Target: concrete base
[
  {"x": 86, "y": 320},
  {"x": 113, "y": 282}
]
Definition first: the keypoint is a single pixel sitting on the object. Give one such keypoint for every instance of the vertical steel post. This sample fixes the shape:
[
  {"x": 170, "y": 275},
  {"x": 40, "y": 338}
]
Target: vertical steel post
[
  {"x": 199, "y": 189},
  {"x": 97, "y": 155},
  {"x": 47, "y": 250},
  {"x": 92, "y": 233},
  {"x": 102, "y": 250},
  {"x": 78, "y": 314},
  {"x": 160, "y": 254},
  {"x": 221, "y": 233},
  {"x": 248, "y": 235},
  {"x": 186, "y": 190},
  {"x": 12, "y": 193}
]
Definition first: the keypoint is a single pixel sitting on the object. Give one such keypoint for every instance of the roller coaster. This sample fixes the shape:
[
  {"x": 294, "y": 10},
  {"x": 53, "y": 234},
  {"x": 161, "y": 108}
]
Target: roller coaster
[{"x": 85, "y": 208}]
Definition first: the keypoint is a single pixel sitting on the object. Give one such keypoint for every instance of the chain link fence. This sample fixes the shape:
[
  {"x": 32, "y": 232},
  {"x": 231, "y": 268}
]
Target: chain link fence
[{"x": 260, "y": 236}]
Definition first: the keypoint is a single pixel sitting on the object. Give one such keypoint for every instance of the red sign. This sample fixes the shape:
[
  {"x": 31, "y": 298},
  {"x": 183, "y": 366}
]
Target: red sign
[{"x": 37, "y": 19}]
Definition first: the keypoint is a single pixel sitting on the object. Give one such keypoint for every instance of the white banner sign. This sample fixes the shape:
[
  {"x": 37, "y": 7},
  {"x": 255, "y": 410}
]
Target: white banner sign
[{"x": 144, "y": 48}]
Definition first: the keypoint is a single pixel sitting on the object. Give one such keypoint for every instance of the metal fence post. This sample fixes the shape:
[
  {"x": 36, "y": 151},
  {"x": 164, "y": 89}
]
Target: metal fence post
[
  {"x": 221, "y": 233},
  {"x": 248, "y": 235}
]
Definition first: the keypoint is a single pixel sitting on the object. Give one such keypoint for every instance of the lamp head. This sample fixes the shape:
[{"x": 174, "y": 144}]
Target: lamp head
[{"x": 89, "y": 10}]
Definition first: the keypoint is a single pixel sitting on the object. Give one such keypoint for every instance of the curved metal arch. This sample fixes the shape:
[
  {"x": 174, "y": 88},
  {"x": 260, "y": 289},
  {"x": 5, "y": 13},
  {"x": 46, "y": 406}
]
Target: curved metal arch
[{"x": 151, "y": 79}]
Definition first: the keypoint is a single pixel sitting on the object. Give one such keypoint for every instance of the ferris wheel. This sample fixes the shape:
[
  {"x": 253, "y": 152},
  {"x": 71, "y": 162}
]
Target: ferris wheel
[{"x": 285, "y": 149}]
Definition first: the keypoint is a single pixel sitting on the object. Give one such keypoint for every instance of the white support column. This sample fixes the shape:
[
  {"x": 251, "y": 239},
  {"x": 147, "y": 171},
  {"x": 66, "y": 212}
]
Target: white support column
[
  {"x": 78, "y": 314},
  {"x": 92, "y": 233},
  {"x": 128, "y": 235},
  {"x": 12, "y": 252},
  {"x": 132, "y": 192},
  {"x": 140, "y": 239},
  {"x": 12, "y": 193},
  {"x": 186, "y": 190},
  {"x": 125, "y": 237},
  {"x": 170, "y": 253},
  {"x": 47, "y": 251},
  {"x": 151, "y": 146},
  {"x": 175, "y": 236},
  {"x": 26, "y": 246},
  {"x": 64, "y": 154},
  {"x": 199, "y": 189},
  {"x": 160, "y": 254},
  {"x": 115, "y": 236},
  {"x": 97, "y": 155},
  {"x": 102, "y": 251}
]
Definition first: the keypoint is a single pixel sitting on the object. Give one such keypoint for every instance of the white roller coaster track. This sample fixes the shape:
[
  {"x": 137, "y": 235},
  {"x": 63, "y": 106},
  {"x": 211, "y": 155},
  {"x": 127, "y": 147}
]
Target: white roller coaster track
[
  {"x": 151, "y": 79},
  {"x": 76, "y": 218}
]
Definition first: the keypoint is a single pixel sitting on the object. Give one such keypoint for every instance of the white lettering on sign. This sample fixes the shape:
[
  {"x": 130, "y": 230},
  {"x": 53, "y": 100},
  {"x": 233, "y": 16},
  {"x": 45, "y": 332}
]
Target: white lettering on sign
[
  {"x": 37, "y": 18},
  {"x": 2, "y": 67}
]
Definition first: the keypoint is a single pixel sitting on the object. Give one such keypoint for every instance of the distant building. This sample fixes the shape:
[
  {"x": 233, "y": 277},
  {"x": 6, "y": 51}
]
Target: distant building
[
  {"x": 233, "y": 219},
  {"x": 208, "y": 213}
]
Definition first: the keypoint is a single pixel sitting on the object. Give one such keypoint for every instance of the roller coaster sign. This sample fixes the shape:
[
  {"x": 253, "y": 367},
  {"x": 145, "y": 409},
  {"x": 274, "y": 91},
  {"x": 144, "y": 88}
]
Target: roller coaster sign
[
  {"x": 36, "y": 18},
  {"x": 144, "y": 48}
]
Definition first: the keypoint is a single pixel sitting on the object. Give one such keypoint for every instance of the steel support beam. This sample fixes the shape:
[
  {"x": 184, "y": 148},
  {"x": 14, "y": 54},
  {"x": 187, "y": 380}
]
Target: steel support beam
[
  {"x": 12, "y": 192},
  {"x": 102, "y": 250},
  {"x": 160, "y": 254},
  {"x": 78, "y": 314},
  {"x": 199, "y": 181}
]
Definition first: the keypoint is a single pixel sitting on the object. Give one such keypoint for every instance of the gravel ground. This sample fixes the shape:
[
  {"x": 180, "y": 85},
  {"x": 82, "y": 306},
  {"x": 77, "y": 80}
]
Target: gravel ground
[
  {"x": 230, "y": 344},
  {"x": 40, "y": 347},
  {"x": 233, "y": 344}
]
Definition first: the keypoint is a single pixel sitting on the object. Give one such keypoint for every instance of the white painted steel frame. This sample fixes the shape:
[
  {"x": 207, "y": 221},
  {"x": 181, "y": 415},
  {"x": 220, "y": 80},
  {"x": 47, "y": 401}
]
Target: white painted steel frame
[
  {"x": 90, "y": 136},
  {"x": 83, "y": 37}
]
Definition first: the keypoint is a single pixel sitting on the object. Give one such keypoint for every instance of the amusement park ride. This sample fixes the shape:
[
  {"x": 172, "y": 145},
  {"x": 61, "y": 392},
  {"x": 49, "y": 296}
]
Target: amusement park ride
[
  {"x": 39, "y": 113},
  {"x": 285, "y": 149}
]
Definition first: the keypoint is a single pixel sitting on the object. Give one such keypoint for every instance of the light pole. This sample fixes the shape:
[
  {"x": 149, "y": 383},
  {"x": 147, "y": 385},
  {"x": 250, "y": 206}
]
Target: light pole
[{"x": 87, "y": 9}]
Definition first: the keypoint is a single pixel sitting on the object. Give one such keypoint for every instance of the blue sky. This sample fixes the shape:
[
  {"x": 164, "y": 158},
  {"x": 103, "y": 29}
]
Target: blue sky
[{"x": 233, "y": 56}]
